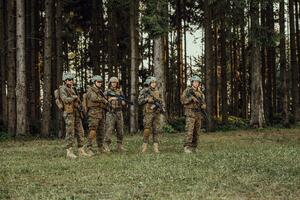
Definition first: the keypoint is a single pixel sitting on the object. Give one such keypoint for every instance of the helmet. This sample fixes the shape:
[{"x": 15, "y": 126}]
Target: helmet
[
  {"x": 113, "y": 79},
  {"x": 68, "y": 75},
  {"x": 96, "y": 78},
  {"x": 195, "y": 78},
  {"x": 151, "y": 79},
  {"x": 146, "y": 82}
]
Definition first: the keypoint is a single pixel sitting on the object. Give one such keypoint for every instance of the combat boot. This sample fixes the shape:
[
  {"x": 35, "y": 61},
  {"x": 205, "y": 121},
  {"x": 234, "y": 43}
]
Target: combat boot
[
  {"x": 105, "y": 148},
  {"x": 144, "y": 147},
  {"x": 155, "y": 148},
  {"x": 70, "y": 154},
  {"x": 82, "y": 153},
  {"x": 187, "y": 150},
  {"x": 120, "y": 148},
  {"x": 90, "y": 151}
]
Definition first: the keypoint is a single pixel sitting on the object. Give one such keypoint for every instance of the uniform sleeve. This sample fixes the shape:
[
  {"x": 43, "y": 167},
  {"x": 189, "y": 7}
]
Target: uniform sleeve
[
  {"x": 185, "y": 98},
  {"x": 95, "y": 97},
  {"x": 142, "y": 99},
  {"x": 65, "y": 97}
]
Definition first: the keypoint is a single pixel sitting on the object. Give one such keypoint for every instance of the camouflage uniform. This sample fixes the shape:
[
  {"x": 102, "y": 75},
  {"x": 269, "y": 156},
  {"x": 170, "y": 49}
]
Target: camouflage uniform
[
  {"x": 151, "y": 114},
  {"x": 193, "y": 116},
  {"x": 72, "y": 116},
  {"x": 96, "y": 116},
  {"x": 114, "y": 117}
]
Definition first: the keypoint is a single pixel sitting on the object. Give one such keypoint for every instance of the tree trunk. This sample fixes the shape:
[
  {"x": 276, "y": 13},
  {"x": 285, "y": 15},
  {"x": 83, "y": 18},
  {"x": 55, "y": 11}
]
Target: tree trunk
[
  {"x": 59, "y": 59},
  {"x": 180, "y": 74},
  {"x": 244, "y": 70},
  {"x": 271, "y": 81},
  {"x": 159, "y": 69},
  {"x": 11, "y": 66},
  {"x": 3, "y": 97},
  {"x": 294, "y": 64},
  {"x": 257, "y": 105},
  {"x": 298, "y": 47},
  {"x": 134, "y": 64},
  {"x": 21, "y": 97},
  {"x": 223, "y": 70},
  {"x": 283, "y": 67},
  {"x": 95, "y": 43},
  {"x": 47, "y": 97},
  {"x": 209, "y": 64}
]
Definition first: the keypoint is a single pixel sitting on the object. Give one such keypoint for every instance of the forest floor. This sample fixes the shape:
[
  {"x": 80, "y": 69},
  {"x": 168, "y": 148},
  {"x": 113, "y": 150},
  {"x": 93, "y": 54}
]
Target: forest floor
[{"x": 250, "y": 164}]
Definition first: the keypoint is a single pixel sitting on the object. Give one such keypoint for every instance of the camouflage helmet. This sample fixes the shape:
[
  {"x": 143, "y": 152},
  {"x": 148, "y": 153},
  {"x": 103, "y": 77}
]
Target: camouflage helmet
[
  {"x": 113, "y": 79},
  {"x": 68, "y": 75},
  {"x": 151, "y": 79},
  {"x": 146, "y": 82},
  {"x": 96, "y": 78},
  {"x": 195, "y": 78}
]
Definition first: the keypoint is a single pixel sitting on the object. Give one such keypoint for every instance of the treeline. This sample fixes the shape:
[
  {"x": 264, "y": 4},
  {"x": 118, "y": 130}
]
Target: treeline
[{"x": 249, "y": 66}]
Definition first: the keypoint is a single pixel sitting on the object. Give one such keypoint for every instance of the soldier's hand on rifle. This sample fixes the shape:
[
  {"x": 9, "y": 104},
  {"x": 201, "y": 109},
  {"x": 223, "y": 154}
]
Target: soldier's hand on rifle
[
  {"x": 113, "y": 99},
  {"x": 123, "y": 103},
  {"x": 195, "y": 99},
  {"x": 150, "y": 100},
  {"x": 203, "y": 106}
]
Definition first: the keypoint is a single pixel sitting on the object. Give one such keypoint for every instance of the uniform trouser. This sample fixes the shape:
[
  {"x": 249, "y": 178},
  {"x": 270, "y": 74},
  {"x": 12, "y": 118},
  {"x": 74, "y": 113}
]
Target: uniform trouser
[
  {"x": 192, "y": 127},
  {"x": 73, "y": 128},
  {"x": 151, "y": 122},
  {"x": 96, "y": 120},
  {"x": 114, "y": 121}
]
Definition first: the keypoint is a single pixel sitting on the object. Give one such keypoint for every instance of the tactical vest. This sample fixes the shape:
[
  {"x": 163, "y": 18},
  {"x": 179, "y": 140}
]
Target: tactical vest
[
  {"x": 116, "y": 104},
  {"x": 92, "y": 104},
  {"x": 150, "y": 107},
  {"x": 193, "y": 105}
]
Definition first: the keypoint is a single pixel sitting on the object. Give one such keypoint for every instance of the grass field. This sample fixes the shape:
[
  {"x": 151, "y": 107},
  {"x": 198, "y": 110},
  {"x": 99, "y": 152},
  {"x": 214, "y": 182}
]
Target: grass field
[{"x": 231, "y": 165}]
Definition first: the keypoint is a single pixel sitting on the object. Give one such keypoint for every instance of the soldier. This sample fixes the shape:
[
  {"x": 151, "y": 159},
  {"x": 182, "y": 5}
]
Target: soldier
[
  {"x": 192, "y": 100},
  {"x": 114, "y": 117},
  {"x": 150, "y": 98},
  {"x": 96, "y": 104},
  {"x": 72, "y": 116}
]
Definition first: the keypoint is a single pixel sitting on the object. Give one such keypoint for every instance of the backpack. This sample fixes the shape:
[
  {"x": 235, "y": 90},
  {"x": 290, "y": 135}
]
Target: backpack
[{"x": 58, "y": 100}]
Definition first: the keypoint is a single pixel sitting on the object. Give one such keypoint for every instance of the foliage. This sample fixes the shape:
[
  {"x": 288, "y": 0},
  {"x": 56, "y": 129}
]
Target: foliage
[
  {"x": 234, "y": 123},
  {"x": 155, "y": 19}
]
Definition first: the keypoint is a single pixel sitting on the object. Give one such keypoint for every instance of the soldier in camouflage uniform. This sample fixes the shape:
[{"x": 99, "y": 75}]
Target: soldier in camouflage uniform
[
  {"x": 151, "y": 113},
  {"x": 114, "y": 117},
  {"x": 192, "y": 113},
  {"x": 72, "y": 116},
  {"x": 96, "y": 104}
]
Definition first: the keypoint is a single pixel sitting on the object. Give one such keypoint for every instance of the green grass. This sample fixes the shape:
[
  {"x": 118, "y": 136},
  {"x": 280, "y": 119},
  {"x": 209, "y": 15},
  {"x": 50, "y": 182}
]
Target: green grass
[{"x": 231, "y": 165}]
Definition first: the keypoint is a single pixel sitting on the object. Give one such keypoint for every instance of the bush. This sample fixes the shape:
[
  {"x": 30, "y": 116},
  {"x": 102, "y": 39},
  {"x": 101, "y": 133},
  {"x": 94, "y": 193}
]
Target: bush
[
  {"x": 178, "y": 124},
  {"x": 234, "y": 123},
  {"x": 4, "y": 136}
]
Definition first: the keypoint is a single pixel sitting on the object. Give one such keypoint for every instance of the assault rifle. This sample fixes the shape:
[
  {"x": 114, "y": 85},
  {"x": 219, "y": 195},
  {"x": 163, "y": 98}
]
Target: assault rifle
[
  {"x": 201, "y": 102},
  {"x": 157, "y": 103},
  {"x": 119, "y": 97}
]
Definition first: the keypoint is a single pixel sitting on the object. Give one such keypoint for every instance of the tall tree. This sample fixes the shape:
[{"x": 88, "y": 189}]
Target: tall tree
[
  {"x": 257, "y": 105},
  {"x": 47, "y": 97},
  {"x": 3, "y": 104},
  {"x": 59, "y": 56},
  {"x": 11, "y": 66},
  {"x": 134, "y": 5},
  {"x": 223, "y": 63},
  {"x": 294, "y": 64},
  {"x": 283, "y": 67},
  {"x": 209, "y": 63},
  {"x": 21, "y": 97}
]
